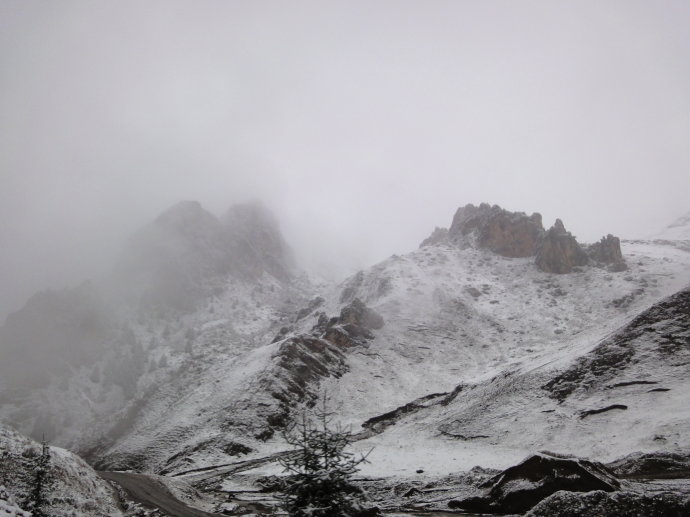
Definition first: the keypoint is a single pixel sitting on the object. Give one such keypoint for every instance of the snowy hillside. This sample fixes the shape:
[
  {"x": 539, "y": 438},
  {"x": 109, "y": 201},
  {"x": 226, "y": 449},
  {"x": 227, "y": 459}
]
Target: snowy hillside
[
  {"x": 74, "y": 488},
  {"x": 472, "y": 326},
  {"x": 679, "y": 230},
  {"x": 627, "y": 394},
  {"x": 454, "y": 314},
  {"x": 189, "y": 291}
]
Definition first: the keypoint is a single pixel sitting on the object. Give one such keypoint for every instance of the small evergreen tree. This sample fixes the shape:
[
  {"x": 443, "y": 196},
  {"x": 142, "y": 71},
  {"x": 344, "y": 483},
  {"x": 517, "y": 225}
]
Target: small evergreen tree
[
  {"x": 40, "y": 483},
  {"x": 320, "y": 470}
]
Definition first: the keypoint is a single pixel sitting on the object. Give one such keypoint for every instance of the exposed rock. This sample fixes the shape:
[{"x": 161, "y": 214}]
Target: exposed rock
[
  {"x": 438, "y": 235},
  {"x": 661, "y": 464},
  {"x": 588, "y": 412},
  {"x": 519, "y": 488},
  {"x": 282, "y": 333},
  {"x": 379, "y": 423},
  {"x": 347, "y": 336},
  {"x": 236, "y": 449},
  {"x": 559, "y": 252},
  {"x": 353, "y": 326},
  {"x": 357, "y": 313},
  {"x": 510, "y": 234},
  {"x": 300, "y": 363},
  {"x": 659, "y": 332},
  {"x": 569, "y": 504},
  {"x": 608, "y": 251}
]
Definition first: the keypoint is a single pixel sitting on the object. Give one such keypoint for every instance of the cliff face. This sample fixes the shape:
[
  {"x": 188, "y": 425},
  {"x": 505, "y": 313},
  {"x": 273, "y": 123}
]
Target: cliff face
[
  {"x": 510, "y": 234},
  {"x": 559, "y": 251},
  {"x": 515, "y": 235}
]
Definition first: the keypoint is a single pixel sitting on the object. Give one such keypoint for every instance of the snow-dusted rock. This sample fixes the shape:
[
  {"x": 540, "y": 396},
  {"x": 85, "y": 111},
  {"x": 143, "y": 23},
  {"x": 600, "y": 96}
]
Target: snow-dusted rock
[
  {"x": 510, "y": 234},
  {"x": 520, "y": 487},
  {"x": 558, "y": 251}
]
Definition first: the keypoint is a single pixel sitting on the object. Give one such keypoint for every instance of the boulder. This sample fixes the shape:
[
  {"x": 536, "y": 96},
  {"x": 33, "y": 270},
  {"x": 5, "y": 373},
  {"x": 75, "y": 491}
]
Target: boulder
[
  {"x": 559, "y": 252},
  {"x": 570, "y": 504},
  {"x": 510, "y": 234},
  {"x": 519, "y": 488}
]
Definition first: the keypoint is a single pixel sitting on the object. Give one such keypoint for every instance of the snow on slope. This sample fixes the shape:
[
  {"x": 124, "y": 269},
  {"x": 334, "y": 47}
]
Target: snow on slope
[
  {"x": 679, "y": 230},
  {"x": 464, "y": 315},
  {"x": 8, "y": 506},
  {"x": 640, "y": 372},
  {"x": 453, "y": 315},
  {"x": 75, "y": 490},
  {"x": 502, "y": 329}
]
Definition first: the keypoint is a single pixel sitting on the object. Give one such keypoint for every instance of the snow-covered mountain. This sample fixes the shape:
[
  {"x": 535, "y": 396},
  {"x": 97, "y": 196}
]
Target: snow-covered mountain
[
  {"x": 490, "y": 337},
  {"x": 77, "y": 364}
]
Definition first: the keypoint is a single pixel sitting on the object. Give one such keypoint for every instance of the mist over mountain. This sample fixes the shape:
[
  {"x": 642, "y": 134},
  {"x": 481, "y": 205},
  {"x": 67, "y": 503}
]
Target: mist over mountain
[
  {"x": 460, "y": 227},
  {"x": 206, "y": 340}
]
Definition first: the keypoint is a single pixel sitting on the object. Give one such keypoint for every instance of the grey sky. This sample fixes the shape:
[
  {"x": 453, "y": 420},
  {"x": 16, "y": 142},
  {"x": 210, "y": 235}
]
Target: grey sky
[{"x": 361, "y": 124}]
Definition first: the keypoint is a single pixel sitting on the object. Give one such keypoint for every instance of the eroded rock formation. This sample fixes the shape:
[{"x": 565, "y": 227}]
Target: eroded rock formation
[
  {"x": 515, "y": 235},
  {"x": 608, "y": 251},
  {"x": 559, "y": 251},
  {"x": 510, "y": 234},
  {"x": 519, "y": 488}
]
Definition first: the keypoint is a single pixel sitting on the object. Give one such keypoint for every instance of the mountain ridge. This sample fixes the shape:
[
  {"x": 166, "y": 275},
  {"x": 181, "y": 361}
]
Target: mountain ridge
[{"x": 455, "y": 312}]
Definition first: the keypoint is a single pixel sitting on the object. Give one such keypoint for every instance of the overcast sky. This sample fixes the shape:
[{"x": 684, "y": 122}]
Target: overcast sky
[{"x": 361, "y": 124}]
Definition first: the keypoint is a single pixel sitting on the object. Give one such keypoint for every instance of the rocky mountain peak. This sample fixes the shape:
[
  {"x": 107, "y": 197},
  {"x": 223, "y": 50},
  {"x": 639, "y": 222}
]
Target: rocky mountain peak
[
  {"x": 257, "y": 241},
  {"x": 187, "y": 252},
  {"x": 510, "y": 234},
  {"x": 558, "y": 227}
]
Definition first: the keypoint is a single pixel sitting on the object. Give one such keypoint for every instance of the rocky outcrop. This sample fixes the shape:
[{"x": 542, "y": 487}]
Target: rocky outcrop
[
  {"x": 302, "y": 361},
  {"x": 519, "y": 488},
  {"x": 558, "y": 251},
  {"x": 353, "y": 327},
  {"x": 660, "y": 465},
  {"x": 608, "y": 251},
  {"x": 654, "y": 336},
  {"x": 515, "y": 234},
  {"x": 510, "y": 234},
  {"x": 570, "y": 504},
  {"x": 438, "y": 235},
  {"x": 357, "y": 313}
]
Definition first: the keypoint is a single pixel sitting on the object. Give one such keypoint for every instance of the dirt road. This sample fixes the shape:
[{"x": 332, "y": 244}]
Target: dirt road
[{"x": 152, "y": 494}]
